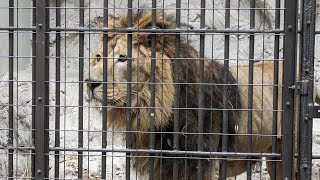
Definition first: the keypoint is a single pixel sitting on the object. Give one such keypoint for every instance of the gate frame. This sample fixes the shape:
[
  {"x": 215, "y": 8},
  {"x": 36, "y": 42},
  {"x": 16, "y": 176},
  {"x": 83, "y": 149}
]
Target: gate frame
[
  {"x": 288, "y": 93},
  {"x": 307, "y": 48},
  {"x": 41, "y": 139}
]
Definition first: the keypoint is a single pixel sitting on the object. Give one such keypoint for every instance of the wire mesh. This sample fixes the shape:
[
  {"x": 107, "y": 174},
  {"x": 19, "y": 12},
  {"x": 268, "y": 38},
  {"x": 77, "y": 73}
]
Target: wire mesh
[{"x": 161, "y": 89}]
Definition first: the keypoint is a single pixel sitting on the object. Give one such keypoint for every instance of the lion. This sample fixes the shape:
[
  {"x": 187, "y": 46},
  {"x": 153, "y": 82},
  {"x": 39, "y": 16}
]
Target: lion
[{"x": 187, "y": 96}]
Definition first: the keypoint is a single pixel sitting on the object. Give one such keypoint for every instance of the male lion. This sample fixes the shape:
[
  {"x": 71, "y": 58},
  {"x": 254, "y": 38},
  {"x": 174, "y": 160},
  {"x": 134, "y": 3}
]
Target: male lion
[{"x": 188, "y": 98}]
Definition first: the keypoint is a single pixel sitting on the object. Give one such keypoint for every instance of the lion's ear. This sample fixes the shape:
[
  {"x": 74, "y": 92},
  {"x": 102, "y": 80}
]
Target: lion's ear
[
  {"x": 163, "y": 22},
  {"x": 112, "y": 21},
  {"x": 161, "y": 38}
]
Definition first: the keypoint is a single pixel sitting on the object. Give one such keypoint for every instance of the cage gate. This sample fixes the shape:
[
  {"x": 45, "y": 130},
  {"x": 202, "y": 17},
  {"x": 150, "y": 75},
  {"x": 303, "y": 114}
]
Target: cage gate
[
  {"x": 305, "y": 89},
  {"x": 53, "y": 108}
]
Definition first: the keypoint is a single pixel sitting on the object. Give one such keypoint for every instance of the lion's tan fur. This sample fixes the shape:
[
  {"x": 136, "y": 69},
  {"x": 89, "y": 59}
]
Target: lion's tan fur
[{"x": 262, "y": 116}]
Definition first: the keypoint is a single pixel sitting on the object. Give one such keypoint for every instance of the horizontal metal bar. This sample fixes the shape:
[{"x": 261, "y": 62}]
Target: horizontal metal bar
[
  {"x": 17, "y": 7},
  {"x": 144, "y": 107},
  {"x": 17, "y": 148},
  {"x": 167, "y": 8},
  {"x": 54, "y": 29},
  {"x": 166, "y": 83},
  {"x": 159, "y": 31},
  {"x": 20, "y": 148},
  {"x": 18, "y": 29},
  {"x": 313, "y": 112},
  {"x": 141, "y": 132},
  {"x": 18, "y": 56},
  {"x": 191, "y": 153},
  {"x": 159, "y": 58},
  {"x": 316, "y": 156}
]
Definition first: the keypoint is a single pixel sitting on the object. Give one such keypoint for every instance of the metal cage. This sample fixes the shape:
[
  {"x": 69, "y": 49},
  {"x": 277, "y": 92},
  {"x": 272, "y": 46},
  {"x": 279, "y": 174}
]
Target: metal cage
[{"x": 50, "y": 130}]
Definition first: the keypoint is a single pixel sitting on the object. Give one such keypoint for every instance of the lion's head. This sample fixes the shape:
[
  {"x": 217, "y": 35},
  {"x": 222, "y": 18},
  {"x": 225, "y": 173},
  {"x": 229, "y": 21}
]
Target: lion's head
[{"x": 116, "y": 69}]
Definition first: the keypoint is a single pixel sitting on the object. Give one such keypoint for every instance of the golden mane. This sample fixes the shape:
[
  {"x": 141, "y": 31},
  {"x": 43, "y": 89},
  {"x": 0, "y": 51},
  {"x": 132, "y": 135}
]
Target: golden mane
[{"x": 186, "y": 95}]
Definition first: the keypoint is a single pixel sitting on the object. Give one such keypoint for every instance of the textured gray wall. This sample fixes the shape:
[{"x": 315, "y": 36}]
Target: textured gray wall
[{"x": 22, "y": 42}]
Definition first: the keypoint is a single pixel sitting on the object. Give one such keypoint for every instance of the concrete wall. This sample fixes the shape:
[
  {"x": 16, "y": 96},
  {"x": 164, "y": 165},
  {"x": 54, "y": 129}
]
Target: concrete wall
[{"x": 22, "y": 18}]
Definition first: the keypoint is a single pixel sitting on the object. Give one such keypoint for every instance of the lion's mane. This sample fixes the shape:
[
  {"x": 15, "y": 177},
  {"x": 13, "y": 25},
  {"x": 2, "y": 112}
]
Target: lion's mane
[{"x": 188, "y": 93}]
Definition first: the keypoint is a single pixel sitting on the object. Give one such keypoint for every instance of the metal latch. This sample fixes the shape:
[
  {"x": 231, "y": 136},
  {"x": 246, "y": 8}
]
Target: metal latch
[
  {"x": 302, "y": 87},
  {"x": 314, "y": 111}
]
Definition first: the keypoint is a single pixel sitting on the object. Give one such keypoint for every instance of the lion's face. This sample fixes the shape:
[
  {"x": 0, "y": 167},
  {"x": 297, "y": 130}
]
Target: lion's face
[{"x": 116, "y": 71}]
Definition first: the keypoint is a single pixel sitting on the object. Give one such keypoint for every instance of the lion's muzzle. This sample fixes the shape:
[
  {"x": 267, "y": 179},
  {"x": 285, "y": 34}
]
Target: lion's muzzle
[{"x": 92, "y": 84}]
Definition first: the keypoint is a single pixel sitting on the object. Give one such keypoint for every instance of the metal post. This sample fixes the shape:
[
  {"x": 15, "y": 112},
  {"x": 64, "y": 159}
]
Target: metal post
[
  {"x": 275, "y": 88},
  {"x": 224, "y": 137},
  {"x": 80, "y": 108},
  {"x": 177, "y": 89},
  {"x": 201, "y": 92},
  {"x": 307, "y": 74},
  {"x": 34, "y": 60},
  {"x": 288, "y": 96},
  {"x": 41, "y": 117},
  {"x": 57, "y": 95},
  {"x": 250, "y": 87},
  {"x": 104, "y": 89},
  {"x": 153, "y": 89},
  {"x": 11, "y": 54},
  {"x": 129, "y": 80}
]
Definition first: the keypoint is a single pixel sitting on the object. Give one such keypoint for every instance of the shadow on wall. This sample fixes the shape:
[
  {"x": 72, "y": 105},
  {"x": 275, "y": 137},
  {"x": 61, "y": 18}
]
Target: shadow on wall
[{"x": 22, "y": 41}]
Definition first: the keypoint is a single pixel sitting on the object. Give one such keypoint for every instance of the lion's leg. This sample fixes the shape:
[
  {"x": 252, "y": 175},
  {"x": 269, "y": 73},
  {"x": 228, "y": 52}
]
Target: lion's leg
[
  {"x": 270, "y": 162},
  {"x": 236, "y": 167},
  {"x": 278, "y": 163},
  {"x": 212, "y": 173}
]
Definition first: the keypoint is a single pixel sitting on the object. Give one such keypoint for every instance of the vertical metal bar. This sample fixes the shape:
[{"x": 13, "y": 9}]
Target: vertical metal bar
[
  {"x": 177, "y": 90},
  {"x": 88, "y": 123},
  {"x": 11, "y": 54},
  {"x": 65, "y": 89},
  {"x": 275, "y": 88},
  {"x": 288, "y": 96},
  {"x": 201, "y": 92},
  {"x": 152, "y": 88},
  {"x": 225, "y": 90},
  {"x": 250, "y": 82},
  {"x": 186, "y": 92},
  {"x": 41, "y": 119},
  {"x": 47, "y": 85},
  {"x": 129, "y": 79},
  {"x": 34, "y": 5},
  {"x": 307, "y": 74},
  {"x": 104, "y": 89},
  {"x": 80, "y": 108},
  {"x": 212, "y": 147},
  {"x": 57, "y": 95},
  {"x": 16, "y": 86}
]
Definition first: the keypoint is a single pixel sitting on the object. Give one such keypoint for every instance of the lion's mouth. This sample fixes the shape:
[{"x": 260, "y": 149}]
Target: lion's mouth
[
  {"x": 115, "y": 102},
  {"x": 109, "y": 102},
  {"x": 110, "y": 97}
]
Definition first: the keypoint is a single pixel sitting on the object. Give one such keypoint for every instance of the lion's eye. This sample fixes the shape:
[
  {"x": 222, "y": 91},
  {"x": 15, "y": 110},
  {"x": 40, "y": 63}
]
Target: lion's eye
[
  {"x": 122, "y": 58},
  {"x": 98, "y": 57}
]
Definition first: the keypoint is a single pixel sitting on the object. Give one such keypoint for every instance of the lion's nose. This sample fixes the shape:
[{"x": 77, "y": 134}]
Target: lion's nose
[{"x": 92, "y": 83}]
